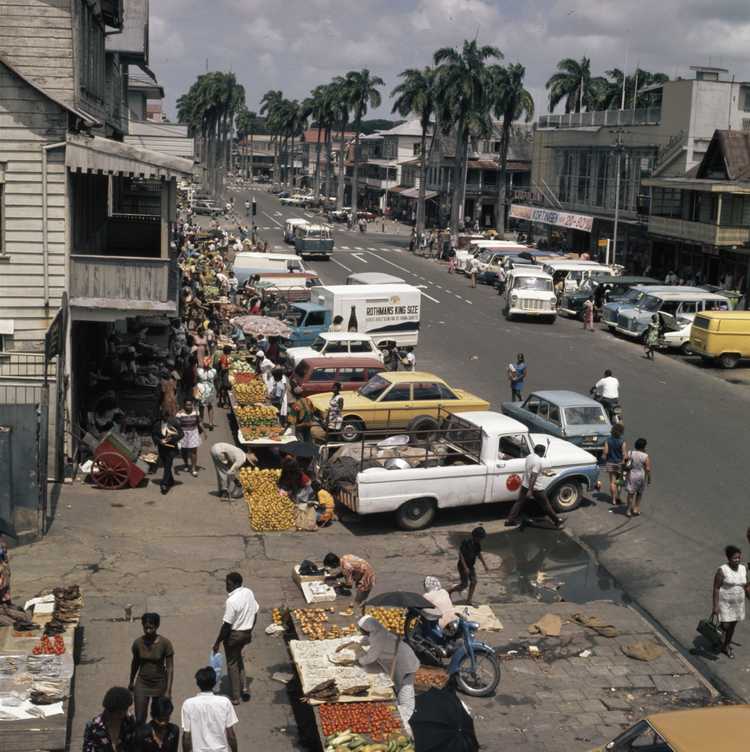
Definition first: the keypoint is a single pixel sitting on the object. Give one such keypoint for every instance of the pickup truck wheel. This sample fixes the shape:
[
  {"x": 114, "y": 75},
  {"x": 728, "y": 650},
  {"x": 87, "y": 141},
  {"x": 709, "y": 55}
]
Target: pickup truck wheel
[
  {"x": 351, "y": 429},
  {"x": 685, "y": 348},
  {"x": 423, "y": 428},
  {"x": 416, "y": 514},
  {"x": 729, "y": 360},
  {"x": 567, "y": 496}
]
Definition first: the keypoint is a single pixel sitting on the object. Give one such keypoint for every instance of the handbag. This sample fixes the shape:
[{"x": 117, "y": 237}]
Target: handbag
[{"x": 711, "y": 631}]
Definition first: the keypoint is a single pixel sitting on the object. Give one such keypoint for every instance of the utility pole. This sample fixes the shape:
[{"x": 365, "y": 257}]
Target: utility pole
[{"x": 619, "y": 149}]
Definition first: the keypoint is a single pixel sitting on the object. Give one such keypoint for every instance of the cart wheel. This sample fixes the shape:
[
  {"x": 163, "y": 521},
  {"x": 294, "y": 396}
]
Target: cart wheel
[{"x": 110, "y": 471}]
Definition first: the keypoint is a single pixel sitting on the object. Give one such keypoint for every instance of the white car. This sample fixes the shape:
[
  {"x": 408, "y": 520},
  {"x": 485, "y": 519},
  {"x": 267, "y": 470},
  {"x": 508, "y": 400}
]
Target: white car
[
  {"x": 529, "y": 292},
  {"x": 337, "y": 344}
]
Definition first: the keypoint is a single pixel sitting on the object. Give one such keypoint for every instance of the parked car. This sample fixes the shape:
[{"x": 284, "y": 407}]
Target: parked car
[
  {"x": 317, "y": 375},
  {"x": 339, "y": 345},
  {"x": 207, "y": 208},
  {"x": 482, "y": 457},
  {"x": 399, "y": 400},
  {"x": 569, "y": 415},
  {"x": 611, "y": 310},
  {"x": 722, "y": 728},
  {"x": 606, "y": 289}
]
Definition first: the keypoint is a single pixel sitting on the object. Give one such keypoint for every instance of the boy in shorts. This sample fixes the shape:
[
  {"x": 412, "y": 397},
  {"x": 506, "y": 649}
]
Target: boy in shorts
[{"x": 469, "y": 551}]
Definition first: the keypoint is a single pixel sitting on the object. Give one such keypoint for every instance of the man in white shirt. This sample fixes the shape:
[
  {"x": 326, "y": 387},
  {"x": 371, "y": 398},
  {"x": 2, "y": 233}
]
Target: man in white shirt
[
  {"x": 531, "y": 488},
  {"x": 409, "y": 361},
  {"x": 236, "y": 632},
  {"x": 208, "y": 720},
  {"x": 608, "y": 390}
]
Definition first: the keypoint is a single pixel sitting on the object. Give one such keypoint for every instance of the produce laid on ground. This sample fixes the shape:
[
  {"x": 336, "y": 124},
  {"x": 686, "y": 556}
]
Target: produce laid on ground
[
  {"x": 239, "y": 365},
  {"x": 314, "y": 624},
  {"x": 49, "y": 646},
  {"x": 348, "y": 741},
  {"x": 378, "y": 720},
  {"x": 391, "y": 618},
  {"x": 250, "y": 393},
  {"x": 270, "y": 510},
  {"x": 256, "y": 415},
  {"x": 430, "y": 676}
]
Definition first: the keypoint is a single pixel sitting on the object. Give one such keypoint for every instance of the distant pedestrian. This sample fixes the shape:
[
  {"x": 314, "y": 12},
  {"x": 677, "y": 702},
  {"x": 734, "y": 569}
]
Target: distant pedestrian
[
  {"x": 208, "y": 720},
  {"x": 614, "y": 454},
  {"x": 192, "y": 428},
  {"x": 653, "y": 335},
  {"x": 159, "y": 735},
  {"x": 113, "y": 730},
  {"x": 531, "y": 489},
  {"x": 588, "y": 314},
  {"x": 468, "y": 552},
  {"x": 452, "y": 263},
  {"x": 473, "y": 270},
  {"x": 152, "y": 666},
  {"x": 166, "y": 434},
  {"x": 236, "y": 633},
  {"x": 205, "y": 391},
  {"x": 638, "y": 476},
  {"x": 228, "y": 459},
  {"x": 335, "y": 418},
  {"x": 517, "y": 376},
  {"x": 729, "y": 593}
]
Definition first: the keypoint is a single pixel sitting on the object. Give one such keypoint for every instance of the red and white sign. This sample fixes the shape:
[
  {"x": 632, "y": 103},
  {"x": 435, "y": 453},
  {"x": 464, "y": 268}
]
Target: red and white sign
[{"x": 552, "y": 217}]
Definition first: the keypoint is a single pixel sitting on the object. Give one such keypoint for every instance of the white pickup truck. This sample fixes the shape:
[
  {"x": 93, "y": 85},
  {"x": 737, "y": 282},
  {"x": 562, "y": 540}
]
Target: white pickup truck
[{"x": 477, "y": 458}]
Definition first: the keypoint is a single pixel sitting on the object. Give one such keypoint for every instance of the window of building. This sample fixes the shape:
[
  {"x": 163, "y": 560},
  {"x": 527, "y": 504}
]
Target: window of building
[
  {"x": 584, "y": 175},
  {"x": 91, "y": 44},
  {"x": 744, "y": 101},
  {"x": 666, "y": 202},
  {"x": 602, "y": 173},
  {"x": 489, "y": 177},
  {"x": 3, "y": 250},
  {"x": 417, "y": 149}
]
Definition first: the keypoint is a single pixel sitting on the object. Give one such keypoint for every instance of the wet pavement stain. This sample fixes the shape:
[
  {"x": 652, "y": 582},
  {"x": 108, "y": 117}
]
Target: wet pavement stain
[{"x": 550, "y": 566}]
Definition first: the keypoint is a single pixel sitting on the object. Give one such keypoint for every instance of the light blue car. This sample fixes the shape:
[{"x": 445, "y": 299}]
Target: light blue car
[
  {"x": 568, "y": 415},
  {"x": 611, "y": 310}
]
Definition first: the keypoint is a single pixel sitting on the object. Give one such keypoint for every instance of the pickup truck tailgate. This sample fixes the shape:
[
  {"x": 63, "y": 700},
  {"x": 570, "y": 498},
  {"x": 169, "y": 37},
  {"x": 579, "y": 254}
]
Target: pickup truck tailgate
[{"x": 348, "y": 496}]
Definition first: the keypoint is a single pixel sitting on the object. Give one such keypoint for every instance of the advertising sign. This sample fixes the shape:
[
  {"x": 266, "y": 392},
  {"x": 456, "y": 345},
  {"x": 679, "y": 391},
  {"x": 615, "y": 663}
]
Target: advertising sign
[{"x": 552, "y": 217}]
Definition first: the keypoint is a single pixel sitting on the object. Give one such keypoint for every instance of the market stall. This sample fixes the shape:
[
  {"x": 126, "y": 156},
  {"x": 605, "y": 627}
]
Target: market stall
[{"x": 36, "y": 673}]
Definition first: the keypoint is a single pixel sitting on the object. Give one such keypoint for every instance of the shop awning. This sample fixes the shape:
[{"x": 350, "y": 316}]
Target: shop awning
[
  {"x": 414, "y": 193},
  {"x": 108, "y": 157}
]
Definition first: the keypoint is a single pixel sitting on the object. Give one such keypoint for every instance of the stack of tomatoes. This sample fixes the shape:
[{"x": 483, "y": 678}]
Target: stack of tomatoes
[
  {"x": 50, "y": 646},
  {"x": 376, "y": 719}
]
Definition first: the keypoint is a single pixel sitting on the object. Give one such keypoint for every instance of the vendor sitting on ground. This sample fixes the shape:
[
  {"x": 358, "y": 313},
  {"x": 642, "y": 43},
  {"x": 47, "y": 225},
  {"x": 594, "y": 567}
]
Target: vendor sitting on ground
[
  {"x": 356, "y": 572},
  {"x": 383, "y": 647},
  {"x": 325, "y": 507}
]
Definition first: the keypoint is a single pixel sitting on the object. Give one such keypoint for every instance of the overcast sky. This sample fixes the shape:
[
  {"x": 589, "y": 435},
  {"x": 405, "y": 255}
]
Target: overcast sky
[{"x": 293, "y": 45}]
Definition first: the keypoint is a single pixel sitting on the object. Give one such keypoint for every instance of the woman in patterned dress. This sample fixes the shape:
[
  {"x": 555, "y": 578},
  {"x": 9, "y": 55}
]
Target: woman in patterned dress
[{"x": 190, "y": 422}]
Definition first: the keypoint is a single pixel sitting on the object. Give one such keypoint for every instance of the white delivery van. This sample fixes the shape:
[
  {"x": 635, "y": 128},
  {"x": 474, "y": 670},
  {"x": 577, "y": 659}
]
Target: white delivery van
[
  {"x": 290, "y": 228},
  {"x": 373, "y": 278},
  {"x": 388, "y": 313},
  {"x": 528, "y": 292},
  {"x": 248, "y": 263}
]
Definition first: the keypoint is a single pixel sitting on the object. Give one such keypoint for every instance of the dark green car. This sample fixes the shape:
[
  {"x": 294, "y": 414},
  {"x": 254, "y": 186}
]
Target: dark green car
[{"x": 604, "y": 290}]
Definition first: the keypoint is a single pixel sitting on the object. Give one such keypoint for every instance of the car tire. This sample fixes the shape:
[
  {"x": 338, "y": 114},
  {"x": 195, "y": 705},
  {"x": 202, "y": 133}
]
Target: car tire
[
  {"x": 566, "y": 496},
  {"x": 419, "y": 425},
  {"x": 685, "y": 348},
  {"x": 416, "y": 514},
  {"x": 351, "y": 429},
  {"x": 551, "y": 319},
  {"x": 611, "y": 328},
  {"x": 729, "y": 360}
]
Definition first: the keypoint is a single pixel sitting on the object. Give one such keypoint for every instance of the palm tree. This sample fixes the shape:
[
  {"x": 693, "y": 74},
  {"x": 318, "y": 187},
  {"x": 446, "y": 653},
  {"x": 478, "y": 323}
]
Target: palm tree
[
  {"x": 270, "y": 106},
  {"x": 462, "y": 81},
  {"x": 320, "y": 106},
  {"x": 247, "y": 124},
  {"x": 340, "y": 110},
  {"x": 511, "y": 101},
  {"x": 573, "y": 82},
  {"x": 416, "y": 93},
  {"x": 361, "y": 93},
  {"x": 293, "y": 119}
]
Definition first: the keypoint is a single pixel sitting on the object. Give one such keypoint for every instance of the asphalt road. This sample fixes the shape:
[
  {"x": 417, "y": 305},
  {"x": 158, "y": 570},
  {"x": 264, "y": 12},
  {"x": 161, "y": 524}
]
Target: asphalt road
[{"x": 694, "y": 419}]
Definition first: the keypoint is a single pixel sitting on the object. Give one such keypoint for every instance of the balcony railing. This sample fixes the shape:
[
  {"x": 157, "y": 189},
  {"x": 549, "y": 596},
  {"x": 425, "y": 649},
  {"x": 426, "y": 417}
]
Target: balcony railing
[
  {"x": 698, "y": 232},
  {"x": 127, "y": 282},
  {"x": 644, "y": 116}
]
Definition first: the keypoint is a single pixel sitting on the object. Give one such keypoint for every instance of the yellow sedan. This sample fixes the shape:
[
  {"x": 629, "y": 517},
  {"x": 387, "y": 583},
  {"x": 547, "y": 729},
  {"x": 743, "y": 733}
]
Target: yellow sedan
[{"x": 408, "y": 400}]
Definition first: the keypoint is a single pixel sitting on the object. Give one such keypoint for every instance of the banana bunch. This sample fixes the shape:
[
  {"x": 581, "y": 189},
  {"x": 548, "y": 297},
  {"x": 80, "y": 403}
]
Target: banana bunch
[
  {"x": 250, "y": 393},
  {"x": 256, "y": 415},
  {"x": 269, "y": 509}
]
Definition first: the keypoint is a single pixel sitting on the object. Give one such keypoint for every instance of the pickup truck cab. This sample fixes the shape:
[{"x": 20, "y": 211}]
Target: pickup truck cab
[{"x": 477, "y": 458}]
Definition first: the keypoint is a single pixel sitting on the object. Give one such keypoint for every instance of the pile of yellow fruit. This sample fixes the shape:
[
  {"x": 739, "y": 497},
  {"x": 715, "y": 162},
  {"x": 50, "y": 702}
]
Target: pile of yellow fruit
[
  {"x": 278, "y": 615},
  {"x": 269, "y": 509},
  {"x": 314, "y": 624},
  {"x": 250, "y": 393},
  {"x": 391, "y": 618},
  {"x": 256, "y": 415}
]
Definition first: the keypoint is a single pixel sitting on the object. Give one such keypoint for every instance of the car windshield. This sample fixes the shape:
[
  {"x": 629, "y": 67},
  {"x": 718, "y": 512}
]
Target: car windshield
[
  {"x": 318, "y": 345},
  {"x": 374, "y": 388},
  {"x": 585, "y": 416},
  {"x": 650, "y": 303},
  {"x": 486, "y": 256},
  {"x": 532, "y": 283},
  {"x": 294, "y": 315}
]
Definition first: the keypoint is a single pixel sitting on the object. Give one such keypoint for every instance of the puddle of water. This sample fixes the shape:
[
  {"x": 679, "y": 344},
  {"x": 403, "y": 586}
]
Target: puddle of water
[{"x": 550, "y": 566}]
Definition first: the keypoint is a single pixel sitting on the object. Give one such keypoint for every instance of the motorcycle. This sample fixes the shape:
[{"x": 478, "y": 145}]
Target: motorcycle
[
  {"x": 612, "y": 406},
  {"x": 473, "y": 663}
]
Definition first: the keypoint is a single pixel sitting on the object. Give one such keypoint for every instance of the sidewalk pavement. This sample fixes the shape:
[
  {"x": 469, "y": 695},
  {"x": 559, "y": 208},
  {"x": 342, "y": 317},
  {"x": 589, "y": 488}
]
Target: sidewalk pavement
[{"x": 170, "y": 554}]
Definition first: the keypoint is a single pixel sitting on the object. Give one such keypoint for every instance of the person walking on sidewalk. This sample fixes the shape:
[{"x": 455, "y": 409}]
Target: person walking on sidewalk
[
  {"x": 228, "y": 459},
  {"x": 159, "y": 735},
  {"x": 730, "y": 591},
  {"x": 473, "y": 270},
  {"x": 517, "y": 375},
  {"x": 469, "y": 551},
  {"x": 191, "y": 430},
  {"x": 236, "y": 632},
  {"x": 152, "y": 666},
  {"x": 167, "y": 434},
  {"x": 530, "y": 489},
  {"x": 208, "y": 720},
  {"x": 614, "y": 456},
  {"x": 588, "y": 313},
  {"x": 638, "y": 477}
]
